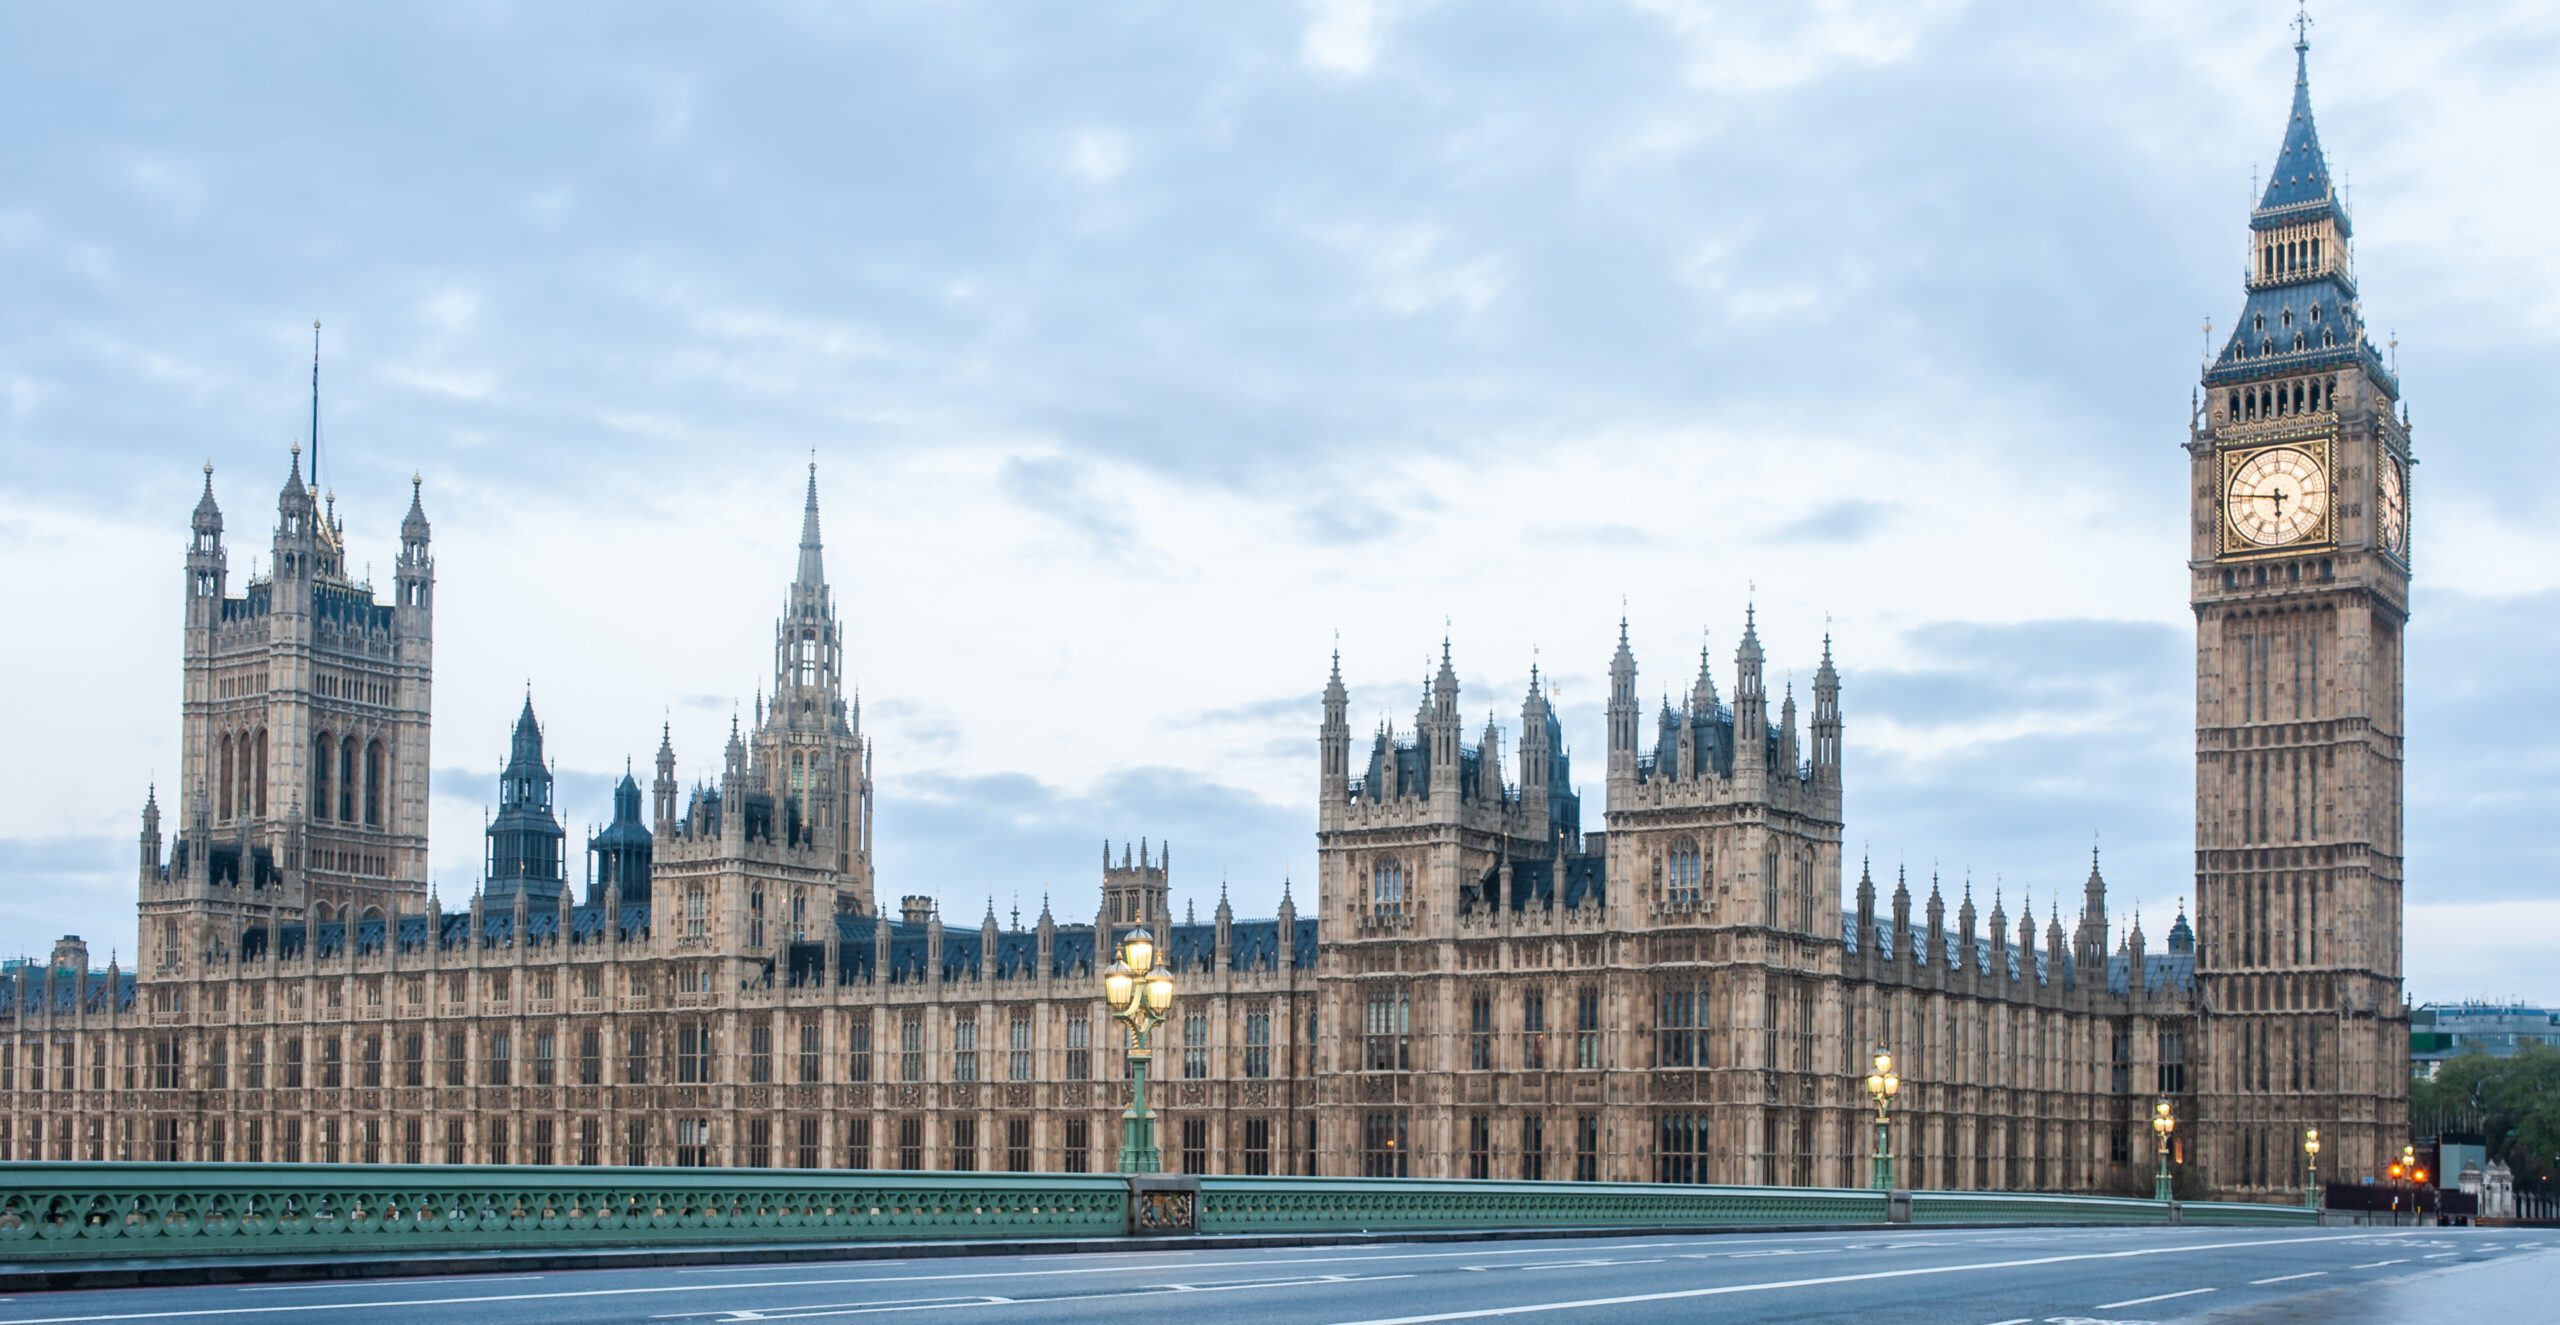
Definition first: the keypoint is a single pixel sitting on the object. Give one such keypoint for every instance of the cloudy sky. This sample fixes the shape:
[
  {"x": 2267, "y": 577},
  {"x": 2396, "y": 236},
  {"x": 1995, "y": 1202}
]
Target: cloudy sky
[{"x": 1147, "y": 350}]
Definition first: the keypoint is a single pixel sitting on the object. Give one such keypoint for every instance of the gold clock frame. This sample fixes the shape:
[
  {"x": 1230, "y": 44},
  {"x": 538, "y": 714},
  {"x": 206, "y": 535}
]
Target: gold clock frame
[
  {"x": 2321, "y": 443},
  {"x": 2385, "y": 458}
]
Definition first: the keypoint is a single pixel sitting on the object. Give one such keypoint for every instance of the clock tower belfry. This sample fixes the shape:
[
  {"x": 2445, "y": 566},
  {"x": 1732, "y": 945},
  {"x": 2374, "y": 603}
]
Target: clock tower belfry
[{"x": 2299, "y": 458}]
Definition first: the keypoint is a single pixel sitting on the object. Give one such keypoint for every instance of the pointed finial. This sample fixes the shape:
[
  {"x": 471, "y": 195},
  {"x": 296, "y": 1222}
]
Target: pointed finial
[{"x": 2302, "y": 29}]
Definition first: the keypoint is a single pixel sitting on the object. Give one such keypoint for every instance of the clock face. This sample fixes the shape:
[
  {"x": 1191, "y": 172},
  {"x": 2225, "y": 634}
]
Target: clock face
[
  {"x": 2277, "y": 497},
  {"x": 2393, "y": 508}
]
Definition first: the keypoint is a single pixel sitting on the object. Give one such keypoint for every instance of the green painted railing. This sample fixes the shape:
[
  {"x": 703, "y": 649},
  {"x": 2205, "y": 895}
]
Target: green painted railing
[
  {"x": 2030, "y": 1208},
  {"x": 2241, "y": 1212},
  {"x": 52, "y": 1212},
  {"x": 61, "y": 1212},
  {"x": 1301, "y": 1205}
]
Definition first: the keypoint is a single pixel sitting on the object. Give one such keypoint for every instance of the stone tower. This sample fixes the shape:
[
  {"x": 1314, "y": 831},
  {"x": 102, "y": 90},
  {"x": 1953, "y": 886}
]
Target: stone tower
[
  {"x": 2300, "y": 580},
  {"x": 304, "y": 724},
  {"x": 525, "y": 842}
]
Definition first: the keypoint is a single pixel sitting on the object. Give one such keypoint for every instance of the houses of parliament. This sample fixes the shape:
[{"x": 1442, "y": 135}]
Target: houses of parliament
[{"x": 1486, "y": 986}]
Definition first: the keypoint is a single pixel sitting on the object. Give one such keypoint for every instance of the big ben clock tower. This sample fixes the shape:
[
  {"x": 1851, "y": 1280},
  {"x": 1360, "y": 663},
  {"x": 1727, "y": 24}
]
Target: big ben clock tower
[{"x": 2300, "y": 581}]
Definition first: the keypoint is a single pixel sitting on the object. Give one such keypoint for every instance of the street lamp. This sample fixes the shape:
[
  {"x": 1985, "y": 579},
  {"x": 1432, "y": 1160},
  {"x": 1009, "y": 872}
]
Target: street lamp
[
  {"x": 1138, "y": 992},
  {"x": 1882, "y": 1085},
  {"x": 2311, "y": 1167},
  {"x": 2163, "y": 1122}
]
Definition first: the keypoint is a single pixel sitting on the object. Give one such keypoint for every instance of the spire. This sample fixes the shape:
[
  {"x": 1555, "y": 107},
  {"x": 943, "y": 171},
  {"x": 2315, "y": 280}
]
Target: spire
[
  {"x": 413, "y": 527},
  {"x": 812, "y": 573},
  {"x": 315, "y": 402},
  {"x": 208, "y": 514},
  {"x": 2301, "y": 174}
]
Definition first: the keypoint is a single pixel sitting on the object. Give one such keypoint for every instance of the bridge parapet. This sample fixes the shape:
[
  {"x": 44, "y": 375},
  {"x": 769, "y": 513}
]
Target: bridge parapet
[{"x": 62, "y": 1212}]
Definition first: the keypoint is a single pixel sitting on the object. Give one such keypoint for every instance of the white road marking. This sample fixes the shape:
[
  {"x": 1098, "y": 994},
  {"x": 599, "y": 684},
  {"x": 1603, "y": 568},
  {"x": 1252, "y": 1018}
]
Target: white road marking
[
  {"x": 1775, "y": 1285},
  {"x": 2015, "y": 1320},
  {"x": 2288, "y": 1278},
  {"x": 2376, "y": 1265},
  {"x": 822, "y": 1310},
  {"x": 1476, "y": 1253},
  {"x": 375, "y": 1283},
  {"x": 2156, "y": 1297},
  {"x": 2440, "y": 1255}
]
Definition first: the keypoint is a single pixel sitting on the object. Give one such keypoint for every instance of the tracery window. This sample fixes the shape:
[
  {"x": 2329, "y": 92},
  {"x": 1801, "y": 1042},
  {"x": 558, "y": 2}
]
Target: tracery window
[{"x": 1386, "y": 882}]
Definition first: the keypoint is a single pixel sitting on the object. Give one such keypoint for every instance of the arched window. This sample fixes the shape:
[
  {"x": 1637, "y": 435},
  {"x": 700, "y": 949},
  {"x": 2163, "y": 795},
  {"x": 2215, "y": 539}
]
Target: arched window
[
  {"x": 373, "y": 784},
  {"x": 324, "y": 752},
  {"x": 1386, "y": 882},
  {"x": 1687, "y": 871},
  {"x": 257, "y": 774},
  {"x": 347, "y": 779},
  {"x": 222, "y": 800}
]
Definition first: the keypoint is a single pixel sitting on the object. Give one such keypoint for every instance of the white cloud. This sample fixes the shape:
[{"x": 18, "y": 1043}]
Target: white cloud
[
  {"x": 1741, "y": 46},
  {"x": 1097, "y": 156},
  {"x": 1407, "y": 269},
  {"x": 450, "y": 309},
  {"x": 1341, "y": 36}
]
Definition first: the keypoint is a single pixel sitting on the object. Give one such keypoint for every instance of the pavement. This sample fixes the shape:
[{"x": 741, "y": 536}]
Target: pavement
[{"x": 1957, "y": 1276}]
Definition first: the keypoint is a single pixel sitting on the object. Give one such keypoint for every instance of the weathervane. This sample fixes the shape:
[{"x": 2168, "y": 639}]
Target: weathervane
[{"x": 2302, "y": 28}]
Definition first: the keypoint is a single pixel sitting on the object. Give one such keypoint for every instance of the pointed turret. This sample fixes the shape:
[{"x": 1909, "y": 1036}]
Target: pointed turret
[
  {"x": 1623, "y": 715},
  {"x": 524, "y": 859},
  {"x": 1936, "y": 952},
  {"x": 1826, "y": 720},
  {"x": 1901, "y": 911},
  {"x": 1333, "y": 744},
  {"x": 1752, "y": 754},
  {"x": 662, "y": 791},
  {"x": 1866, "y": 902},
  {"x": 2092, "y": 938},
  {"x": 415, "y": 573},
  {"x": 207, "y": 564},
  {"x": 2182, "y": 936},
  {"x": 813, "y": 572}
]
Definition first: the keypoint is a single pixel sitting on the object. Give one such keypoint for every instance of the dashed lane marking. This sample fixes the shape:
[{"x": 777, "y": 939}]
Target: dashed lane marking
[
  {"x": 2287, "y": 1278},
  {"x": 2156, "y": 1297}
]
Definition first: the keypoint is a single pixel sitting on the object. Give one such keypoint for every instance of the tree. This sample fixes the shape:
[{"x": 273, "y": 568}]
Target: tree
[{"x": 2514, "y": 1103}]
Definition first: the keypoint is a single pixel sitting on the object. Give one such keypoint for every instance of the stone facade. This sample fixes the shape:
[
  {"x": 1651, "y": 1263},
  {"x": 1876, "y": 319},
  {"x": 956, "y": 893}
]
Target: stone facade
[{"x": 1687, "y": 993}]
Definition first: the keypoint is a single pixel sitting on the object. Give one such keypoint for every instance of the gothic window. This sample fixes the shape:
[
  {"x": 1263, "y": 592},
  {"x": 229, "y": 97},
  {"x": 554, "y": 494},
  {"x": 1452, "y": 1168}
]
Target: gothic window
[
  {"x": 373, "y": 784},
  {"x": 693, "y": 1143},
  {"x": 1388, "y": 1042},
  {"x": 222, "y": 799},
  {"x": 810, "y": 1057},
  {"x": 755, "y": 918},
  {"x": 1686, "y": 871},
  {"x": 911, "y": 1048},
  {"x": 1533, "y": 1147},
  {"x": 1680, "y": 1151},
  {"x": 693, "y": 1053},
  {"x": 1257, "y": 1042},
  {"x": 322, "y": 754},
  {"x": 858, "y": 1048},
  {"x": 1079, "y": 1144},
  {"x": 257, "y": 773},
  {"x": 1586, "y": 1027},
  {"x": 964, "y": 1047},
  {"x": 1017, "y": 1145},
  {"x": 1079, "y": 1049},
  {"x": 347, "y": 779},
  {"x": 1018, "y": 1046},
  {"x": 964, "y": 1145},
  {"x": 1195, "y": 1047},
  {"x": 1386, "y": 882},
  {"x": 635, "y": 1057},
  {"x": 1257, "y": 1146},
  {"x": 857, "y": 1143},
  {"x": 760, "y": 1054},
  {"x": 1586, "y": 1147},
  {"x": 1480, "y": 1030},
  {"x": 1383, "y": 1151},
  {"x": 500, "y": 1067},
  {"x": 1533, "y": 1029},
  {"x": 695, "y": 913},
  {"x": 1681, "y": 1034}
]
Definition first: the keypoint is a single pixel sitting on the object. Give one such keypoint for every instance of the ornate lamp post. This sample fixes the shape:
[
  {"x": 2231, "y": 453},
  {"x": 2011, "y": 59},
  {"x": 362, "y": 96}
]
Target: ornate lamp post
[
  {"x": 2163, "y": 1122},
  {"x": 1138, "y": 992},
  {"x": 1882, "y": 1085},
  {"x": 2311, "y": 1167}
]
